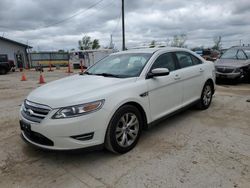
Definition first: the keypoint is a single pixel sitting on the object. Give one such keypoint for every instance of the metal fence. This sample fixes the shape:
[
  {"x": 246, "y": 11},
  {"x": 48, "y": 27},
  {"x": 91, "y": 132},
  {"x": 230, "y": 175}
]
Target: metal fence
[{"x": 46, "y": 58}]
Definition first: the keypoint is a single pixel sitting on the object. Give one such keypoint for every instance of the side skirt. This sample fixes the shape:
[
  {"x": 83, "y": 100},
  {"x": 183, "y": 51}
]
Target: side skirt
[{"x": 155, "y": 122}]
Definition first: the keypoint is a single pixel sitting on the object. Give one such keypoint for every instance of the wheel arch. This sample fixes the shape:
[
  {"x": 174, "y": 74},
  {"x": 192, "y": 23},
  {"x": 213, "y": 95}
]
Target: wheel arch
[{"x": 141, "y": 110}]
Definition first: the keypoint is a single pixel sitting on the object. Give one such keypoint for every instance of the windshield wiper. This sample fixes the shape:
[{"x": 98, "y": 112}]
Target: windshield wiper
[
  {"x": 86, "y": 72},
  {"x": 108, "y": 75},
  {"x": 101, "y": 74}
]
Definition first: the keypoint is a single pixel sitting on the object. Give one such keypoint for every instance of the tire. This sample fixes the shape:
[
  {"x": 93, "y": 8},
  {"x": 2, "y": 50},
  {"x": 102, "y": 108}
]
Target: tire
[
  {"x": 120, "y": 136},
  {"x": 206, "y": 96},
  {"x": 3, "y": 71}
]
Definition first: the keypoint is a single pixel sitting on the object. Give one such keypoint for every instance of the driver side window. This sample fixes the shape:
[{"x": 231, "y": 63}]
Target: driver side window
[{"x": 164, "y": 61}]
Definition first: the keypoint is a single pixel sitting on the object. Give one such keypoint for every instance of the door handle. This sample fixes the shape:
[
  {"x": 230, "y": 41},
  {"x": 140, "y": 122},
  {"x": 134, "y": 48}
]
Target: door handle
[
  {"x": 201, "y": 70},
  {"x": 177, "y": 77}
]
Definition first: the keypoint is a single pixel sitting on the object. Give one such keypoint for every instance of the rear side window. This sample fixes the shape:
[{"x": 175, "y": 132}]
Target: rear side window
[
  {"x": 165, "y": 61},
  {"x": 186, "y": 59},
  {"x": 195, "y": 60}
]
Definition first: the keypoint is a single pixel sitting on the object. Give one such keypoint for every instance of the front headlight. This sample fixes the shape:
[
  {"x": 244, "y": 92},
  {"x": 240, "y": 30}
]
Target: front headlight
[{"x": 78, "y": 110}]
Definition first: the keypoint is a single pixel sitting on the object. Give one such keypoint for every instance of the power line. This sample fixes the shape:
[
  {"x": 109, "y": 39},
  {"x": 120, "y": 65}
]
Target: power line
[
  {"x": 118, "y": 21},
  {"x": 61, "y": 21},
  {"x": 74, "y": 15}
]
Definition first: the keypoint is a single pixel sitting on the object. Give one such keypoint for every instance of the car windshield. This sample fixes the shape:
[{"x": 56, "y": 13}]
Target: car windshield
[
  {"x": 247, "y": 52},
  {"x": 230, "y": 54},
  {"x": 120, "y": 65},
  {"x": 234, "y": 54}
]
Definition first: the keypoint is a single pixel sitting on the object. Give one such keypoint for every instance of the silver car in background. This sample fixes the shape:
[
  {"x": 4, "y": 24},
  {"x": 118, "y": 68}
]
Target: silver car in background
[{"x": 234, "y": 64}]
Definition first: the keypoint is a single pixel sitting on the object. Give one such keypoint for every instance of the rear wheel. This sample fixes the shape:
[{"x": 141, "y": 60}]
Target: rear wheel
[
  {"x": 124, "y": 130},
  {"x": 206, "y": 96}
]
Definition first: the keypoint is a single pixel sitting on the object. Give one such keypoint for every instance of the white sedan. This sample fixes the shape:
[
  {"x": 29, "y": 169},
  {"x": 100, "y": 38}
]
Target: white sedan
[{"x": 115, "y": 99}]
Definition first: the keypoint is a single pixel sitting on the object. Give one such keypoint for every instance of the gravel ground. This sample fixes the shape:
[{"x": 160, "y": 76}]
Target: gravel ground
[{"x": 192, "y": 149}]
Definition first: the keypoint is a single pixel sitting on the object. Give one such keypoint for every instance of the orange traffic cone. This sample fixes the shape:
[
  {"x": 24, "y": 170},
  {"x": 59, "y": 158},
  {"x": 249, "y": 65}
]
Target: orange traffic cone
[
  {"x": 41, "y": 79},
  {"x": 23, "y": 77}
]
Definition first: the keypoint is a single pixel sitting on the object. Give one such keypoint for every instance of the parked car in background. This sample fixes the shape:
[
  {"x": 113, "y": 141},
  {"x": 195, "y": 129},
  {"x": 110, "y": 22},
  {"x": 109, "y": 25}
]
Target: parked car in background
[
  {"x": 111, "y": 102},
  {"x": 208, "y": 54},
  {"x": 4, "y": 64},
  {"x": 234, "y": 64}
]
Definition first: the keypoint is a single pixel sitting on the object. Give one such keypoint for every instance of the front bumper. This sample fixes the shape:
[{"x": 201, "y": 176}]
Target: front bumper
[
  {"x": 61, "y": 132},
  {"x": 228, "y": 75}
]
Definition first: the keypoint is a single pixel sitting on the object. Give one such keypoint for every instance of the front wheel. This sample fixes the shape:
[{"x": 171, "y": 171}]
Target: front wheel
[
  {"x": 3, "y": 71},
  {"x": 124, "y": 130},
  {"x": 206, "y": 96}
]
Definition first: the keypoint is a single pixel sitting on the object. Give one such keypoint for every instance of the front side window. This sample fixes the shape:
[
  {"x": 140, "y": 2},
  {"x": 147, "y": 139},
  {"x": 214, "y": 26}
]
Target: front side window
[
  {"x": 164, "y": 61},
  {"x": 121, "y": 65}
]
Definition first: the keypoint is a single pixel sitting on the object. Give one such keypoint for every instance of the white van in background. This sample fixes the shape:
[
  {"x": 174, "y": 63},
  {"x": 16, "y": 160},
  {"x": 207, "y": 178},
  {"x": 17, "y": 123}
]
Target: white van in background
[{"x": 88, "y": 57}]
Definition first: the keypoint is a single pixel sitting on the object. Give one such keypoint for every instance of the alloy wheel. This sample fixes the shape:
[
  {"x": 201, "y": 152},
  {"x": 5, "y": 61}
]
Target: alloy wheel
[
  {"x": 127, "y": 130},
  {"x": 207, "y": 95}
]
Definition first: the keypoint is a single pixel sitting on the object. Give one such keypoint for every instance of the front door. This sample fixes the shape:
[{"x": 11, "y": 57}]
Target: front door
[{"x": 165, "y": 92}]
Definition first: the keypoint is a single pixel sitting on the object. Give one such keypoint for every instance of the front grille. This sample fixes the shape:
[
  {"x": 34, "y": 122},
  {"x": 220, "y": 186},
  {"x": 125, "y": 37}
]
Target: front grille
[
  {"x": 34, "y": 112},
  {"x": 225, "y": 69}
]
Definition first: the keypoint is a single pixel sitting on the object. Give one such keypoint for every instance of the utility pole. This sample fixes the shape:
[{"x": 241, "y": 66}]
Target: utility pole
[{"x": 123, "y": 27}]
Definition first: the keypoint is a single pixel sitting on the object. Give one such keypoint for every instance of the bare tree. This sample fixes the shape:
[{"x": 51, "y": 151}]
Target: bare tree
[
  {"x": 179, "y": 40},
  {"x": 217, "y": 43}
]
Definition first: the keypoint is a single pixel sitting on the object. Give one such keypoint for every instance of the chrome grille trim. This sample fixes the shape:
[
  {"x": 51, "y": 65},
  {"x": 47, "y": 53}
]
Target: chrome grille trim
[
  {"x": 34, "y": 112},
  {"x": 225, "y": 69},
  {"x": 37, "y": 105}
]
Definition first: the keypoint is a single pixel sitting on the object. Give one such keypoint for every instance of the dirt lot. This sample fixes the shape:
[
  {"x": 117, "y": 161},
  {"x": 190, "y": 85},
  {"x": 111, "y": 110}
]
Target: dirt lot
[{"x": 193, "y": 149}]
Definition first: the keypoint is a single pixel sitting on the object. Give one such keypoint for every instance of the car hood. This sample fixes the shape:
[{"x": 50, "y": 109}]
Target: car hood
[
  {"x": 75, "y": 89},
  {"x": 231, "y": 63}
]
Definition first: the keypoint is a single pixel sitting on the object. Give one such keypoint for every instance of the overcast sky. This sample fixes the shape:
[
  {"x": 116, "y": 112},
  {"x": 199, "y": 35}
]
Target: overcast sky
[{"x": 59, "y": 24}]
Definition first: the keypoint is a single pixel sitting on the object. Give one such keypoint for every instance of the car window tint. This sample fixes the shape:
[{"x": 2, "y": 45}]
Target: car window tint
[
  {"x": 184, "y": 59},
  {"x": 241, "y": 55},
  {"x": 164, "y": 61},
  {"x": 195, "y": 60}
]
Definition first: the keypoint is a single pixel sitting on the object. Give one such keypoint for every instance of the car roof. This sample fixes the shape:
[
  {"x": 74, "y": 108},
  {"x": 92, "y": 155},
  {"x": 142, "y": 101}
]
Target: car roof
[{"x": 152, "y": 50}]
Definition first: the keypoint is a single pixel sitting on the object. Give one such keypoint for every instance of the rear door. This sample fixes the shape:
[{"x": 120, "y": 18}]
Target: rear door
[
  {"x": 165, "y": 92},
  {"x": 192, "y": 76}
]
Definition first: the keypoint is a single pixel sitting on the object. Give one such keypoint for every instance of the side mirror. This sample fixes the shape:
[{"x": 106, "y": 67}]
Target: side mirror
[{"x": 158, "y": 72}]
